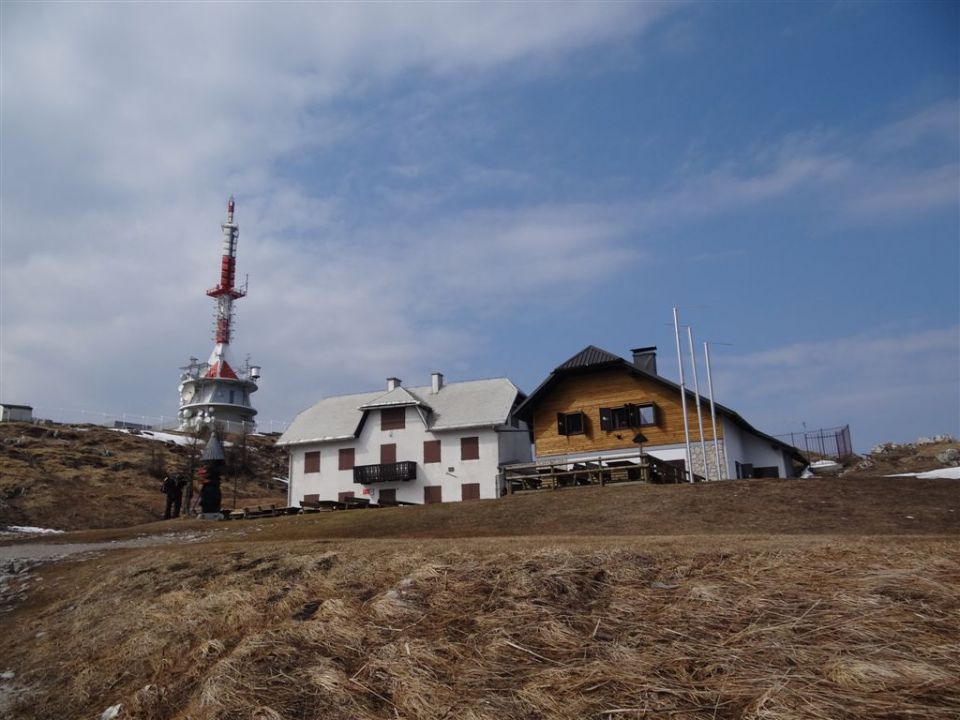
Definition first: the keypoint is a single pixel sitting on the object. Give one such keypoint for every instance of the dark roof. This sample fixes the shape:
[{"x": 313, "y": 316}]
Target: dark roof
[
  {"x": 213, "y": 450},
  {"x": 590, "y": 356},
  {"x": 594, "y": 358}
]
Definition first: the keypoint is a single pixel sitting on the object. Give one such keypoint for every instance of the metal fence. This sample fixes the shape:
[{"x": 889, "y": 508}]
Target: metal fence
[
  {"x": 825, "y": 442},
  {"x": 130, "y": 420}
]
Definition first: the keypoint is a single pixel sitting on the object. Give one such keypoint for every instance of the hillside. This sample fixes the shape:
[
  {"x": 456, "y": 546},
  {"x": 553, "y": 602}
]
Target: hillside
[
  {"x": 734, "y": 600},
  {"x": 753, "y": 599},
  {"x": 86, "y": 476}
]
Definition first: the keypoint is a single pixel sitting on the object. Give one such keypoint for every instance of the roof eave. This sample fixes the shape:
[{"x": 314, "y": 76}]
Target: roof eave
[{"x": 307, "y": 441}]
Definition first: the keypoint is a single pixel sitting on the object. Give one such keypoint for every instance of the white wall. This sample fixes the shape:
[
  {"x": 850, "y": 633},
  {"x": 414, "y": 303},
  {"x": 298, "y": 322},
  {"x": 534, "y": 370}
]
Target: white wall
[
  {"x": 450, "y": 473},
  {"x": 745, "y": 447}
]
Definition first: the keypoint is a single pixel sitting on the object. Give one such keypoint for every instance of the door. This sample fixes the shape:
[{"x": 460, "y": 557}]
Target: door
[
  {"x": 388, "y": 454},
  {"x": 387, "y": 497}
]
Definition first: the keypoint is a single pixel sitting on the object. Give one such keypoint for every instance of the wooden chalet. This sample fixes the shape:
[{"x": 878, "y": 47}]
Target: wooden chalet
[{"x": 599, "y": 417}]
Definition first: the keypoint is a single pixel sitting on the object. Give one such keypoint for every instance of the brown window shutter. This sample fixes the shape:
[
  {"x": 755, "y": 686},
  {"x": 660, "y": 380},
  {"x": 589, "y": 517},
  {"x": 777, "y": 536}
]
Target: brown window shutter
[
  {"x": 346, "y": 458},
  {"x": 311, "y": 462},
  {"x": 393, "y": 418},
  {"x": 470, "y": 491},
  {"x": 388, "y": 454},
  {"x": 432, "y": 494},
  {"x": 470, "y": 448},
  {"x": 431, "y": 451},
  {"x": 561, "y": 424},
  {"x": 344, "y": 496}
]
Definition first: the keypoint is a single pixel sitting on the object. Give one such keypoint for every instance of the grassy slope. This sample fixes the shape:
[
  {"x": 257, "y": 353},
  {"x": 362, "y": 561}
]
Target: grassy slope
[
  {"x": 70, "y": 477},
  {"x": 290, "y": 618}
]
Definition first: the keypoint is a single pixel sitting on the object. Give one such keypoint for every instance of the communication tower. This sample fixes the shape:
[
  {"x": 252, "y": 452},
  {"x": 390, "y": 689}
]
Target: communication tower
[{"x": 218, "y": 391}]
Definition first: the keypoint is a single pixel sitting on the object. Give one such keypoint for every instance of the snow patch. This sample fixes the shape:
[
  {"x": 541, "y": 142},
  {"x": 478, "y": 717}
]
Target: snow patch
[
  {"x": 30, "y": 530},
  {"x": 157, "y": 435},
  {"x": 951, "y": 473}
]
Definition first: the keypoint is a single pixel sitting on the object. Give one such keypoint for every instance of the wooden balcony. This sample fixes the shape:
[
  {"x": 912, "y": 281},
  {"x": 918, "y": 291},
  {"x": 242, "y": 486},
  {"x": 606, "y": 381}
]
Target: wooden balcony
[{"x": 389, "y": 472}]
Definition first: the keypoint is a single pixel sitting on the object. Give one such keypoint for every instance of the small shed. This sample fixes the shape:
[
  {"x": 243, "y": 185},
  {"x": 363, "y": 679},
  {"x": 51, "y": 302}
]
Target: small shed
[{"x": 15, "y": 413}]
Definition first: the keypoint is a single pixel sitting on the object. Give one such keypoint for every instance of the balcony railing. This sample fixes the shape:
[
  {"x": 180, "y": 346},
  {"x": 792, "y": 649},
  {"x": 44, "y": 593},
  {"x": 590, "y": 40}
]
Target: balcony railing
[{"x": 390, "y": 472}]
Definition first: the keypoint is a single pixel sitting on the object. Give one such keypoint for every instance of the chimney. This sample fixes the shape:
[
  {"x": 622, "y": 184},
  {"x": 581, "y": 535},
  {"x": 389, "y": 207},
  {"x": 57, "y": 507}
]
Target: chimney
[
  {"x": 436, "y": 380},
  {"x": 645, "y": 358},
  {"x": 393, "y": 383}
]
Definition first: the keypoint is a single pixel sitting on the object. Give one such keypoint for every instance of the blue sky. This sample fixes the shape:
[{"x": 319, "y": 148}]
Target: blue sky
[{"x": 484, "y": 189}]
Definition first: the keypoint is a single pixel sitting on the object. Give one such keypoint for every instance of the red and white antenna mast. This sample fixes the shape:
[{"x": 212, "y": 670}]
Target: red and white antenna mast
[{"x": 225, "y": 293}]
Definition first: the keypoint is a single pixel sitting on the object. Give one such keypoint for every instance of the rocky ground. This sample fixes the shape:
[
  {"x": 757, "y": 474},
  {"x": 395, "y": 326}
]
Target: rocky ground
[{"x": 925, "y": 453}]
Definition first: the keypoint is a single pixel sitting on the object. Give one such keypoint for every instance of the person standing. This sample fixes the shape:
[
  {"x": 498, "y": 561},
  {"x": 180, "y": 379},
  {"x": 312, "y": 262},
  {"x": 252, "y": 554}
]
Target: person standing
[{"x": 173, "y": 488}]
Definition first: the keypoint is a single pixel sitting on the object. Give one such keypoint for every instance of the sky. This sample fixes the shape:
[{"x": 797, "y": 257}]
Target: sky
[{"x": 483, "y": 190}]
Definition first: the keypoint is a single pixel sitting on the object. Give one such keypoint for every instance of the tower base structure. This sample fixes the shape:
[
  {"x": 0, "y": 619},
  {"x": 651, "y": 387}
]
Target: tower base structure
[{"x": 213, "y": 394}]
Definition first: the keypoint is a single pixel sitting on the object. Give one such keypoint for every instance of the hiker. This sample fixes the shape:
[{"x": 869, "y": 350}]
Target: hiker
[{"x": 173, "y": 488}]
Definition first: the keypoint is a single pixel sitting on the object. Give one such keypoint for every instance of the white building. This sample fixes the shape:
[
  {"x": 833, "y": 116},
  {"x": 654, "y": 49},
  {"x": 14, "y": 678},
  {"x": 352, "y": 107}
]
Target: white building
[
  {"x": 439, "y": 443},
  {"x": 15, "y": 413}
]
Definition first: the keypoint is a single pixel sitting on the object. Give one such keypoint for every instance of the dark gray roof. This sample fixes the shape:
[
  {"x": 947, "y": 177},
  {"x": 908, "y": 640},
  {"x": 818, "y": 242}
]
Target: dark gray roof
[
  {"x": 213, "y": 450},
  {"x": 590, "y": 355}
]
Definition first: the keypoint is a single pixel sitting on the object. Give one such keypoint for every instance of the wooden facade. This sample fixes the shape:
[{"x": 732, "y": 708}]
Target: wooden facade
[{"x": 611, "y": 387}]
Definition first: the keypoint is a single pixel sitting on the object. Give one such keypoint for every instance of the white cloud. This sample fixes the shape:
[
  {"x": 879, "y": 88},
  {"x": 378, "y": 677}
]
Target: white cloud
[
  {"x": 939, "y": 122},
  {"x": 125, "y": 125},
  {"x": 849, "y": 180},
  {"x": 909, "y": 379}
]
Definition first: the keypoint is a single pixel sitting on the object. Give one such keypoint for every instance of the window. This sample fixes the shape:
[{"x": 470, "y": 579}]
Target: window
[
  {"x": 346, "y": 458},
  {"x": 628, "y": 416},
  {"x": 311, "y": 462},
  {"x": 393, "y": 418},
  {"x": 470, "y": 448},
  {"x": 571, "y": 423},
  {"x": 387, "y": 496},
  {"x": 388, "y": 454},
  {"x": 431, "y": 451}
]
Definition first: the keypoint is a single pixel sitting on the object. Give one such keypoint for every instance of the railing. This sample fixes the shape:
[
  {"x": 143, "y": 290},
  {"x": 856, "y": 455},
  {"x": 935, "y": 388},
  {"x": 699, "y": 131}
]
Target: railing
[
  {"x": 69, "y": 416},
  {"x": 823, "y": 443},
  {"x": 564, "y": 473},
  {"x": 389, "y": 472}
]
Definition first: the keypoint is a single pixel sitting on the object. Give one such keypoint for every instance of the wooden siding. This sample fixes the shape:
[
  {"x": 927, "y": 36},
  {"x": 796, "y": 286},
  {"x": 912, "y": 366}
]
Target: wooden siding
[{"x": 614, "y": 387}]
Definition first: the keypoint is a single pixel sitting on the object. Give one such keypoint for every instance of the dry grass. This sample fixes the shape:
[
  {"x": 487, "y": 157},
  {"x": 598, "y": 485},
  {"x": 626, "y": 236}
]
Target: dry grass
[
  {"x": 499, "y": 629},
  {"x": 72, "y": 477}
]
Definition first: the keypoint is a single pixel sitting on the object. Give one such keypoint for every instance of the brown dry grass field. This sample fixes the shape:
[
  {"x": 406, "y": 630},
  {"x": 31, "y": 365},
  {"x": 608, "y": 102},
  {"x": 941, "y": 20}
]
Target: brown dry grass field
[
  {"x": 747, "y": 599},
  {"x": 85, "y": 476}
]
